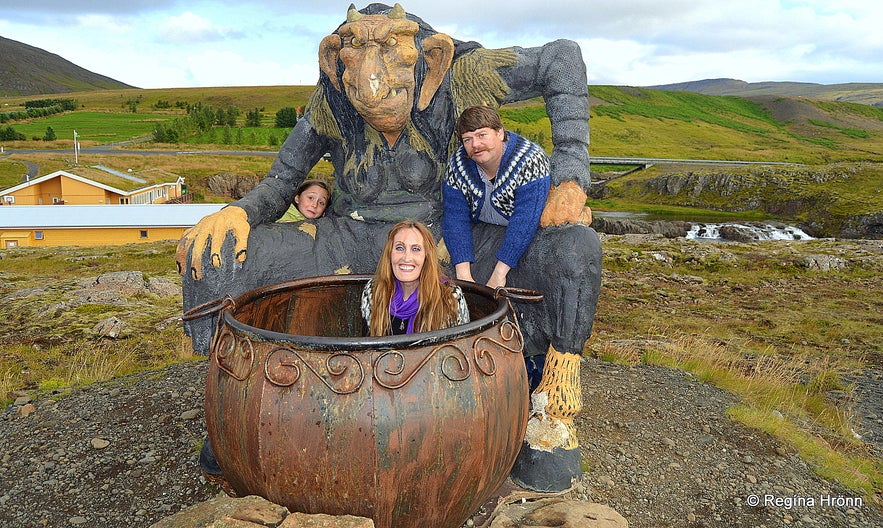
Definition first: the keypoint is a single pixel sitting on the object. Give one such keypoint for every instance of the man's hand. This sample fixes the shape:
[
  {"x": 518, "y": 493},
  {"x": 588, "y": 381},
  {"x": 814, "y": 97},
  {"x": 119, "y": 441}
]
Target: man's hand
[
  {"x": 498, "y": 276},
  {"x": 463, "y": 270},
  {"x": 214, "y": 227},
  {"x": 566, "y": 204}
]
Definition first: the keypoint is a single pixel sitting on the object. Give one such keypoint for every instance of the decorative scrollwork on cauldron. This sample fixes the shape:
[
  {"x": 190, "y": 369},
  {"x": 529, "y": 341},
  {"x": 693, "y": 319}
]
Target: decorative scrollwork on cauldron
[
  {"x": 484, "y": 359},
  {"x": 283, "y": 369},
  {"x": 235, "y": 356},
  {"x": 390, "y": 367}
]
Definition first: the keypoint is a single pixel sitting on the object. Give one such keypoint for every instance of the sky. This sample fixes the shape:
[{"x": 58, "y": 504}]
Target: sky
[{"x": 204, "y": 43}]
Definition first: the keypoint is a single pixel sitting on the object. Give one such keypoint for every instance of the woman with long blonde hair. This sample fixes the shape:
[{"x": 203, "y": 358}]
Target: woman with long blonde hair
[{"x": 411, "y": 286}]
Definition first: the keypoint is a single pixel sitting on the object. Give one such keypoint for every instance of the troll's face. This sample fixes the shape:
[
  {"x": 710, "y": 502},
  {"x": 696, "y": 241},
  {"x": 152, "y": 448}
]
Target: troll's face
[{"x": 379, "y": 55}]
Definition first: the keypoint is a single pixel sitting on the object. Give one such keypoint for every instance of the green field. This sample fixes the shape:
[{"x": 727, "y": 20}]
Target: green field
[{"x": 101, "y": 127}]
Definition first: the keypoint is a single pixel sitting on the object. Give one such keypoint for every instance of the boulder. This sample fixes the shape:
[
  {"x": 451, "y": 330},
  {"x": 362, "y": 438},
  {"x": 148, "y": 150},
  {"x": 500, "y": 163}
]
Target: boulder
[{"x": 560, "y": 513}]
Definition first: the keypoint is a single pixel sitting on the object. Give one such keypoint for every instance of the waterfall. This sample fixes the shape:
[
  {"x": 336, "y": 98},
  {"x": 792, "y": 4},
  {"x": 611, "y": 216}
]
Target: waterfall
[{"x": 750, "y": 232}]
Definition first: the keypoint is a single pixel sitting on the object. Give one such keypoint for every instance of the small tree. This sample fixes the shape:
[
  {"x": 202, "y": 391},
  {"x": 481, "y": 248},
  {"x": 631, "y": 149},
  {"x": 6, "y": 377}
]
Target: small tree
[
  {"x": 253, "y": 118},
  {"x": 49, "y": 135},
  {"x": 9, "y": 134},
  {"x": 232, "y": 115},
  {"x": 286, "y": 117}
]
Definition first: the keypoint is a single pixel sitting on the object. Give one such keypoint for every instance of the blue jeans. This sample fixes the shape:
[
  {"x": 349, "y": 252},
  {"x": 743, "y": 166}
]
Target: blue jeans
[{"x": 534, "y": 366}]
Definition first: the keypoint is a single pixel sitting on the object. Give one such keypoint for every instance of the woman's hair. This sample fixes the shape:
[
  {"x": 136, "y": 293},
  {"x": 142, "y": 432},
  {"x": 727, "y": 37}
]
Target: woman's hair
[
  {"x": 310, "y": 183},
  {"x": 438, "y": 308}
]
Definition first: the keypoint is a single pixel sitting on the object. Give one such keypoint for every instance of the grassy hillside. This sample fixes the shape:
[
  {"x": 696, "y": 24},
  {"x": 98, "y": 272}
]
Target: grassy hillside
[
  {"x": 864, "y": 93},
  {"x": 268, "y": 98},
  {"x": 26, "y": 70},
  {"x": 683, "y": 125}
]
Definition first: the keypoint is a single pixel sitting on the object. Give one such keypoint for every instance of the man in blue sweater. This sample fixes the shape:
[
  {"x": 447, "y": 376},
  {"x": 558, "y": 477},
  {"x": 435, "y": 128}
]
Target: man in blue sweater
[
  {"x": 495, "y": 177},
  {"x": 499, "y": 229}
]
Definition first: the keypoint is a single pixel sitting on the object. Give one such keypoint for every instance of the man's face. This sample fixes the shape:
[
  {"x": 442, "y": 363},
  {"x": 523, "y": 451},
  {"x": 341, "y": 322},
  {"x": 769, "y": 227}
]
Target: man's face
[{"x": 485, "y": 147}]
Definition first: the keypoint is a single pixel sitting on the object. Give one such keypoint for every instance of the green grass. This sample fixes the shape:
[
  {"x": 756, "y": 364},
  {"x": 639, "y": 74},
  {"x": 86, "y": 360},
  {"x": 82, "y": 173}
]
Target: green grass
[
  {"x": 102, "y": 127},
  {"x": 738, "y": 114},
  {"x": 852, "y": 132},
  {"x": 11, "y": 173}
]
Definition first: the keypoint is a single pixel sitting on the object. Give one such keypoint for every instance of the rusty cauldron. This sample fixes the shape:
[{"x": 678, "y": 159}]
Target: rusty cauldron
[{"x": 411, "y": 431}]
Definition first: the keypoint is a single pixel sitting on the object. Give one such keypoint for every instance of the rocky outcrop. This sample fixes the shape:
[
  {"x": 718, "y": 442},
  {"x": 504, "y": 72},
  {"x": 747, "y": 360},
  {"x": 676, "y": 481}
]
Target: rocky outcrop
[
  {"x": 625, "y": 226},
  {"x": 782, "y": 191},
  {"x": 233, "y": 185},
  {"x": 863, "y": 226}
]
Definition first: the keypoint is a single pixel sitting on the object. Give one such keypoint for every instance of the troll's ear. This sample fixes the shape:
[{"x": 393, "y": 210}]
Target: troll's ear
[
  {"x": 329, "y": 49},
  {"x": 438, "y": 52}
]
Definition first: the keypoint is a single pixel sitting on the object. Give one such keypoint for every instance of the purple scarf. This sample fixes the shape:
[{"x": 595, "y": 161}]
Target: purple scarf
[{"x": 399, "y": 307}]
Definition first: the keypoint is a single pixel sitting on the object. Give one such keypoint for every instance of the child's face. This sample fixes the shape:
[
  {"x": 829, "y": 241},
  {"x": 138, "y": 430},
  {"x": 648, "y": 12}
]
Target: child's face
[{"x": 312, "y": 202}]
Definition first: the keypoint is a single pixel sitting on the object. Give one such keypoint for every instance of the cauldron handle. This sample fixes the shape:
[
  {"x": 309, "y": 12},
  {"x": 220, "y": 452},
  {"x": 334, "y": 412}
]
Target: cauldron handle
[
  {"x": 208, "y": 308},
  {"x": 518, "y": 294}
]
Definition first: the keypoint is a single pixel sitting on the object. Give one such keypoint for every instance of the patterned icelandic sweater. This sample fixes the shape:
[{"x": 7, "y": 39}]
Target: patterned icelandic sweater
[
  {"x": 521, "y": 187},
  {"x": 367, "y": 303}
]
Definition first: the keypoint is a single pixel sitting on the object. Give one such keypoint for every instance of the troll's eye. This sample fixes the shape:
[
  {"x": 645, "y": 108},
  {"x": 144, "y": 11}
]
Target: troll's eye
[
  {"x": 356, "y": 42},
  {"x": 391, "y": 41}
]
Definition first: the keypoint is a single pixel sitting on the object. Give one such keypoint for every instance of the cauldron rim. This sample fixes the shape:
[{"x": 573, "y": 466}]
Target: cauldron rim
[{"x": 337, "y": 343}]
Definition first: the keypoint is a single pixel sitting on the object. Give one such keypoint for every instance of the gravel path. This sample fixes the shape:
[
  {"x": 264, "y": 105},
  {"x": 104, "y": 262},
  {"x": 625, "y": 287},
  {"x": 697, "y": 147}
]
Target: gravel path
[{"x": 658, "y": 445}]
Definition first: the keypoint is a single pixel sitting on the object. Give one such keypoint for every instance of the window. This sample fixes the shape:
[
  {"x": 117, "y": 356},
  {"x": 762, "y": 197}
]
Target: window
[
  {"x": 38, "y": 235},
  {"x": 143, "y": 233},
  {"x": 9, "y": 199},
  {"x": 56, "y": 200}
]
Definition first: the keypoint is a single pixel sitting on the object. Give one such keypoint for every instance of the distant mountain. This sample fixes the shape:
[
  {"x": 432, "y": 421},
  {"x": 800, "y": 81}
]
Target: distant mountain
[
  {"x": 26, "y": 70},
  {"x": 863, "y": 93}
]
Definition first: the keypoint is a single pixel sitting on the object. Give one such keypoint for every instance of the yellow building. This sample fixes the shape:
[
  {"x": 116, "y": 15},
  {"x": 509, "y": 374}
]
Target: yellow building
[
  {"x": 97, "y": 225},
  {"x": 62, "y": 187}
]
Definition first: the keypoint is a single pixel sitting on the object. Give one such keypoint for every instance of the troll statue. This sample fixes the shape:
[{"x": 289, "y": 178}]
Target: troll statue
[{"x": 384, "y": 109}]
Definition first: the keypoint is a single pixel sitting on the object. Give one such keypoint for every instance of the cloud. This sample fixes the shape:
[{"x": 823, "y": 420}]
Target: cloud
[
  {"x": 212, "y": 68},
  {"x": 639, "y": 42},
  {"x": 35, "y": 11},
  {"x": 190, "y": 28}
]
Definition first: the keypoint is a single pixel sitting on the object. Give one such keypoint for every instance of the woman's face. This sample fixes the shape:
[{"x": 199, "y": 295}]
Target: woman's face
[
  {"x": 312, "y": 202},
  {"x": 407, "y": 256}
]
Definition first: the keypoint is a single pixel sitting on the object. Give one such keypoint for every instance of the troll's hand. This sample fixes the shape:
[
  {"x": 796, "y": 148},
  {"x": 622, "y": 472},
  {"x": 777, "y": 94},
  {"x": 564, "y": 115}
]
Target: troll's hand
[
  {"x": 214, "y": 228},
  {"x": 566, "y": 204}
]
